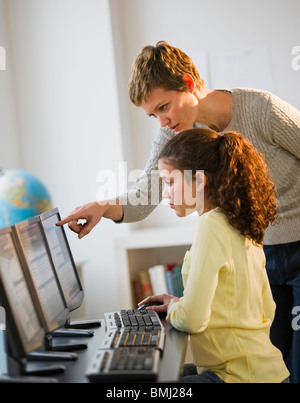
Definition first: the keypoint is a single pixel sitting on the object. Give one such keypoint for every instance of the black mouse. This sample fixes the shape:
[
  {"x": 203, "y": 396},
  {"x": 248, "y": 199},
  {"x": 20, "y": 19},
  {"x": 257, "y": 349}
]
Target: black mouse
[{"x": 144, "y": 306}]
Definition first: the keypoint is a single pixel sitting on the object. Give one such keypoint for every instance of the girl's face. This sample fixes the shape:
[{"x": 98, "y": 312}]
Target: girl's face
[
  {"x": 173, "y": 109},
  {"x": 182, "y": 191}
]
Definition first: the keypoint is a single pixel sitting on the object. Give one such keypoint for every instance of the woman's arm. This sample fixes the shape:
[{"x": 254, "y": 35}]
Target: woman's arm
[
  {"x": 283, "y": 126},
  {"x": 135, "y": 205}
]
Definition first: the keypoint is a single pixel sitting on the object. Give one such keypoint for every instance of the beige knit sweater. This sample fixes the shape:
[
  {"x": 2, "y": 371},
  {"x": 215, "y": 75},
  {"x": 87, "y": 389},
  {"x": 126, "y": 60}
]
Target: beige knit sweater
[{"x": 273, "y": 127}]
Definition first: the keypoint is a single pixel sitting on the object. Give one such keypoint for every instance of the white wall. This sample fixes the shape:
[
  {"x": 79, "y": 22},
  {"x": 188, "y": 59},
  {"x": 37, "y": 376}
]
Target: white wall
[
  {"x": 10, "y": 156},
  {"x": 68, "y": 116},
  {"x": 212, "y": 26}
]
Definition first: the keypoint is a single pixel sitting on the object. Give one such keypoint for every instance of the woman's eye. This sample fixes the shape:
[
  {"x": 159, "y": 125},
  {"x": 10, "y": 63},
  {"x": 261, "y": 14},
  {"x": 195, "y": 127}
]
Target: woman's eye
[{"x": 163, "y": 108}]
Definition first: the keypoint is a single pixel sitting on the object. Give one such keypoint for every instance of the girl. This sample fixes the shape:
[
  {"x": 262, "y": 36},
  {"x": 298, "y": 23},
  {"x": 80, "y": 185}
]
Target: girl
[{"x": 227, "y": 305}]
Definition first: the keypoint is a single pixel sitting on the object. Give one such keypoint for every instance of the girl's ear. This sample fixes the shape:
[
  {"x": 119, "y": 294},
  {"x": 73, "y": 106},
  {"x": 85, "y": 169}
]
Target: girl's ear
[{"x": 200, "y": 181}]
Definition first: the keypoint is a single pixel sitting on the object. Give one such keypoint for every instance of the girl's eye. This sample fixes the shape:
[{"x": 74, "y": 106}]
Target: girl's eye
[{"x": 163, "y": 108}]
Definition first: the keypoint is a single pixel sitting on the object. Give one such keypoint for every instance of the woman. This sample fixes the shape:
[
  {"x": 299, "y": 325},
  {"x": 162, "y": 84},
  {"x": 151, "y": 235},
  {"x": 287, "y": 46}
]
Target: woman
[
  {"x": 168, "y": 86},
  {"x": 227, "y": 305}
]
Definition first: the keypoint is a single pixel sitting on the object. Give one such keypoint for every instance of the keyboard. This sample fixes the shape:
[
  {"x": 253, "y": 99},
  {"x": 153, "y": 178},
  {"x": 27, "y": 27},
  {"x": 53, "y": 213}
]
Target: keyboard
[
  {"x": 131, "y": 337},
  {"x": 131, "y": 348},
  {"x": 124, "y": 364},
  {"x": 132, "y": 318}
]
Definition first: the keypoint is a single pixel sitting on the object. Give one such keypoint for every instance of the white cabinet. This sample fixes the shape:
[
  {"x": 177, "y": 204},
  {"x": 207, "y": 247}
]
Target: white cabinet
[{"x": 142, "y": 249}]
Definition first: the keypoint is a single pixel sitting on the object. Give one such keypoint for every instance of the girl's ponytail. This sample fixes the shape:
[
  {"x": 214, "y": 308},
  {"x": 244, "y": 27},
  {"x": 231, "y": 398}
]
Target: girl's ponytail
[{"x": 245, "y": 192}]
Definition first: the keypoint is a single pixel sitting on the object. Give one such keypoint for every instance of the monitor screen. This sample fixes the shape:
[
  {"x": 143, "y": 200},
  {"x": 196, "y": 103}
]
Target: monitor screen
[
  {"x": 39, "y": 268},
  {"x": 62, "y": 259},
  {"x": 21, "y": 316}
]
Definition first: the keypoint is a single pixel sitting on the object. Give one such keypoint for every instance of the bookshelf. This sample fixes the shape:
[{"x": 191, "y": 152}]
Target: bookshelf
[{"x": 141, "y": 249}]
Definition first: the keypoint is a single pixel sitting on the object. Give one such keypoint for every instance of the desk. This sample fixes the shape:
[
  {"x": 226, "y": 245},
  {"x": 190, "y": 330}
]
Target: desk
[{"x": 170, "y": 366}]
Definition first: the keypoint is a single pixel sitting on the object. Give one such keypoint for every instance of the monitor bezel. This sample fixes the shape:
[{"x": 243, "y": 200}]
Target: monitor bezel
[
  {"x": 18, "y": 345},
  {"x": 61, "y": 317},
  {"x": 77, "y": 300}
]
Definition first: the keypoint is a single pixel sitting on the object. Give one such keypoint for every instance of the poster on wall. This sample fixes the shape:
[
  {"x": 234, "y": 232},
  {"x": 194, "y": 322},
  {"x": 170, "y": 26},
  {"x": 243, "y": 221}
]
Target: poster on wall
[{"x": 249, "y": 67}]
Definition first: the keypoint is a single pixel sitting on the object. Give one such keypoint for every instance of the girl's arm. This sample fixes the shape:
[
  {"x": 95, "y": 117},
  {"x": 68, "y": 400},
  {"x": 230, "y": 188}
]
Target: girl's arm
[{"x": 208, "y": 256}]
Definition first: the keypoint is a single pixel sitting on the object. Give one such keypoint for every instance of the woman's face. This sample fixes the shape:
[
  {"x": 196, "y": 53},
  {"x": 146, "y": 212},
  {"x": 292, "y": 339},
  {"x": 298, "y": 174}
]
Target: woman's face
[
  {"x": 175, "y": 110},
  {"x": 180, "y": 189}
]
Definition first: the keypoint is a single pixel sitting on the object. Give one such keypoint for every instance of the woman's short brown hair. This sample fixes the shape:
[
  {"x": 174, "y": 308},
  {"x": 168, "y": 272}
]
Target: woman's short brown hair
[{"x": 161, "y": 66}]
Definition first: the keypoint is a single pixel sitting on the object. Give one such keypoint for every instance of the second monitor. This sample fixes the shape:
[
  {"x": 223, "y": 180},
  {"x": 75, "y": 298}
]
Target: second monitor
[
  {"x": 62, "y": 259},
  {"x": 64, "y": 265}
]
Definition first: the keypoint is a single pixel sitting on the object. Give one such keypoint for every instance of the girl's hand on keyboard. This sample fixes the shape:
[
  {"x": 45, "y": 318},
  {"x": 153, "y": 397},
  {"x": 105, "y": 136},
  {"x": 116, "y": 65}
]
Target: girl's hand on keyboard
[{"x": 158, "y": 303}]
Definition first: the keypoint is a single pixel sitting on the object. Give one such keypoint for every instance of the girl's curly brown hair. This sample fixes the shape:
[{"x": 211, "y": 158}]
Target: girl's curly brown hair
[{"x": 237, "y": 177}]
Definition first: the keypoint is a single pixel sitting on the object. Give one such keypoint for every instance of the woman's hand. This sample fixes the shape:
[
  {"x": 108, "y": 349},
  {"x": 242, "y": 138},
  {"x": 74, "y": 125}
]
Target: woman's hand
[{"x": 92, "y": 214}]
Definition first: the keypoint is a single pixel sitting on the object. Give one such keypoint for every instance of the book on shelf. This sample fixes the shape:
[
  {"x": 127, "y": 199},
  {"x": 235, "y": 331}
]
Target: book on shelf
[
  {"x": 142, "y": 287},
  {"x": 145, "y": 281},
  {"x": 137, "y": 290},
  {"x": 174, "y": 281},
  {"x": 159, "y": 279}
]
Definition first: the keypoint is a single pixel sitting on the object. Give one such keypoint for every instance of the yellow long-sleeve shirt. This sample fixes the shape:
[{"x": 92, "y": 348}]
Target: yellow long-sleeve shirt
[{"x": 227, "y": 305}]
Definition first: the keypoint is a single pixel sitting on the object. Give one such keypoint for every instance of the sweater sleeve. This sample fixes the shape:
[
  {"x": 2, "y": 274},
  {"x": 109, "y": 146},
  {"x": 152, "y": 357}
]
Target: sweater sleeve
[
  {"x": 284, "y": 126},
  {"x": 209, "y": 255},
  {"x": 146, "y": 193}
]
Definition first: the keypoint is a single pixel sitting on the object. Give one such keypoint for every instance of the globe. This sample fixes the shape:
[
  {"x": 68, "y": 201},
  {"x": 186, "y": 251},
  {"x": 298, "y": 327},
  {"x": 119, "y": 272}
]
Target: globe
[{"x": 22, "y": 196}]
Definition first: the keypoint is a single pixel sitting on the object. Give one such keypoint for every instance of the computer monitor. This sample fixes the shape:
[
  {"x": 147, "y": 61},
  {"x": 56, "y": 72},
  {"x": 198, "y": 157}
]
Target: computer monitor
[
  {"x": 25, "y": 330},
  {"x": 62, "y": 259},
  {"x": 41, "y": 274}
]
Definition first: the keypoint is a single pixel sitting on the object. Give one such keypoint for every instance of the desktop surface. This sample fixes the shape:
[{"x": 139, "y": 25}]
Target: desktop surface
[{"x": 171, "y": 362}]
